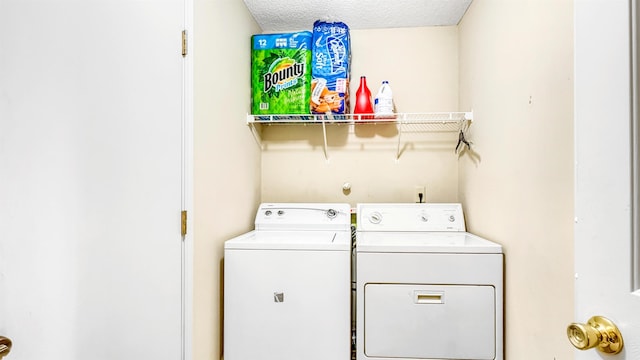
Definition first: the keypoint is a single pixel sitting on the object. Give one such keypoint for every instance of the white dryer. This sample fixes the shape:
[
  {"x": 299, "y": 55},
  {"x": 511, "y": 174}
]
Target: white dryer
[
  {"x": 426, "y": 288},
  {"x": 287, "y": 285}
]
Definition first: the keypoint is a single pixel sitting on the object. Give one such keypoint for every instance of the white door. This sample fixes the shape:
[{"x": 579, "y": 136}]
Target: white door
[
  {"x": 606, "y": 249},
  {"x": 90, "y": 179}
]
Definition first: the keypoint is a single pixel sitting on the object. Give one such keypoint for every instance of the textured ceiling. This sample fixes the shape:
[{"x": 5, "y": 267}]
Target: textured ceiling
[{"x": 295, "y": 15}]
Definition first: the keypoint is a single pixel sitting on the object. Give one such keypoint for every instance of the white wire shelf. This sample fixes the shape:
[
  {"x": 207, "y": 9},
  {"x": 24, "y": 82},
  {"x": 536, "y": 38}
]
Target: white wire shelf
[
  {"x": 427, "y": 122},
  {"x": 399, "y": 118}
]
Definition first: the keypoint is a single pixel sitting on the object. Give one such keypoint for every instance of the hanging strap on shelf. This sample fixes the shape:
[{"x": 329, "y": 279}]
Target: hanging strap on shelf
[{"x": 461, "y": 137}]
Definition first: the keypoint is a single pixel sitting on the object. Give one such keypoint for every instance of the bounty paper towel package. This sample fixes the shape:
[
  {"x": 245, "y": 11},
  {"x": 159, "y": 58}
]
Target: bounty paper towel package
[
  {"x": 281, "y": 73},
  {"x": 330, "y": 68}
]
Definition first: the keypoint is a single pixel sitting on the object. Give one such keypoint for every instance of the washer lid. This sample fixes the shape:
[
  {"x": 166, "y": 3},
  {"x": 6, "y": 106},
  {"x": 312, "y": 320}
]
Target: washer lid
[
  {"x": 425, "y": 242},
  {"x": 291, "y": 240}
]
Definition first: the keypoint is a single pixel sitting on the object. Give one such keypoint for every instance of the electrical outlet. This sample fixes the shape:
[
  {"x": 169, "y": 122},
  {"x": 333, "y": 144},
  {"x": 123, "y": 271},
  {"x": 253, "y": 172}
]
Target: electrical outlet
[{"x": 419, "y": 194}]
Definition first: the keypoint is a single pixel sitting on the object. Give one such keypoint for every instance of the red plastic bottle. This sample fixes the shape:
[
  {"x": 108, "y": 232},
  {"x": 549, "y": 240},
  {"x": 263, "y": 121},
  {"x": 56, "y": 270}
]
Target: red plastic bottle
[{"x": 363, "y": 100}]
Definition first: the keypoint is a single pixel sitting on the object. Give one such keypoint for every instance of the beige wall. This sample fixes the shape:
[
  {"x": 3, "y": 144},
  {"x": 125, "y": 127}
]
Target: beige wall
[
  {"x": 421, "y": 65},
  {"x": 227, "y": 159},
  {"x": 517, "y": 186}
]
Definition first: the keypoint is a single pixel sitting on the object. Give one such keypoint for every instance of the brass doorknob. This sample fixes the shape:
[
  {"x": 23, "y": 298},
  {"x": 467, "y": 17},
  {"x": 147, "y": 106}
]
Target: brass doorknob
[
  {"x": 5, "y": 346},
  {"x": 598, "y": 332}
]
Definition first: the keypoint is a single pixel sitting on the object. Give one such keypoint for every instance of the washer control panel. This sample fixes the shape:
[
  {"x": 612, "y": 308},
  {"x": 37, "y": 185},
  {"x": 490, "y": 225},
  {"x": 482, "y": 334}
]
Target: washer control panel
[
  {"x": 410, "y": 217},
  {"x": 303, "y": 216}
]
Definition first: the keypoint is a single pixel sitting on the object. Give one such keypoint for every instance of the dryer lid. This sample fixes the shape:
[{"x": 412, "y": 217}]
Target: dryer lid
[
  {"x": 291, "y": 240},
  {"x": 425, "y": 242}
]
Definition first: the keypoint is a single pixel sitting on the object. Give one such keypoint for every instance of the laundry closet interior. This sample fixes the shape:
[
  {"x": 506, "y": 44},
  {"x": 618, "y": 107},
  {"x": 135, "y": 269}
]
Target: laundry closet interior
[{"x": 509, "y": 64}]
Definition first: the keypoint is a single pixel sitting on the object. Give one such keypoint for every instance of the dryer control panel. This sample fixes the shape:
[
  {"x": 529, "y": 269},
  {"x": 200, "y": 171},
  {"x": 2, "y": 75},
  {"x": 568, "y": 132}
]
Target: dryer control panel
[{"x": 410, "y": 217}]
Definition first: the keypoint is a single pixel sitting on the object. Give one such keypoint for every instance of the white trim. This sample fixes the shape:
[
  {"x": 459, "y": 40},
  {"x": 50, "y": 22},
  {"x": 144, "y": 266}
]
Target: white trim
[
  {"x": 635, "y": 155},
  {"x": 187, "y": 186}
]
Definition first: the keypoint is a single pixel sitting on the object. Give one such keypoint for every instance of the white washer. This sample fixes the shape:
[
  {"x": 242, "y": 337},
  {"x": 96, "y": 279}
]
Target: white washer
[
  {"x": 287, "y": 285},
  {"x": 426, "y": 288}
]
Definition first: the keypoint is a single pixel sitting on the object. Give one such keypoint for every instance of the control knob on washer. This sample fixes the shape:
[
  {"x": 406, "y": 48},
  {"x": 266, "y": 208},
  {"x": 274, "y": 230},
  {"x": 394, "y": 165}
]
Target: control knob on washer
[{"x": 375, "y": 217}]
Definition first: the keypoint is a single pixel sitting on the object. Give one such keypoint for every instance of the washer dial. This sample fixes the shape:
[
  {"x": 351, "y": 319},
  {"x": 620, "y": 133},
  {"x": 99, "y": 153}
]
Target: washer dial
[{"x": 375, "y": 217}]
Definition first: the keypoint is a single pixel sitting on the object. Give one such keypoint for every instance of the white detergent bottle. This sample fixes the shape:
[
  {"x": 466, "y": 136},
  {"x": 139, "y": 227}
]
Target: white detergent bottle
[{"x": 383, "y": 104}]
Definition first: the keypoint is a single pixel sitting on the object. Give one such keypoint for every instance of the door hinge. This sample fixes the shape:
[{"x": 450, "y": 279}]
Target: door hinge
[
  {"x": 184, "y": 43},
  {"x": 183, "y": 222}
]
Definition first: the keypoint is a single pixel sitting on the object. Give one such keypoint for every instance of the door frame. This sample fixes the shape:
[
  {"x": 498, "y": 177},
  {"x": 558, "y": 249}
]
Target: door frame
[{"x": 188, "y": 184}]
